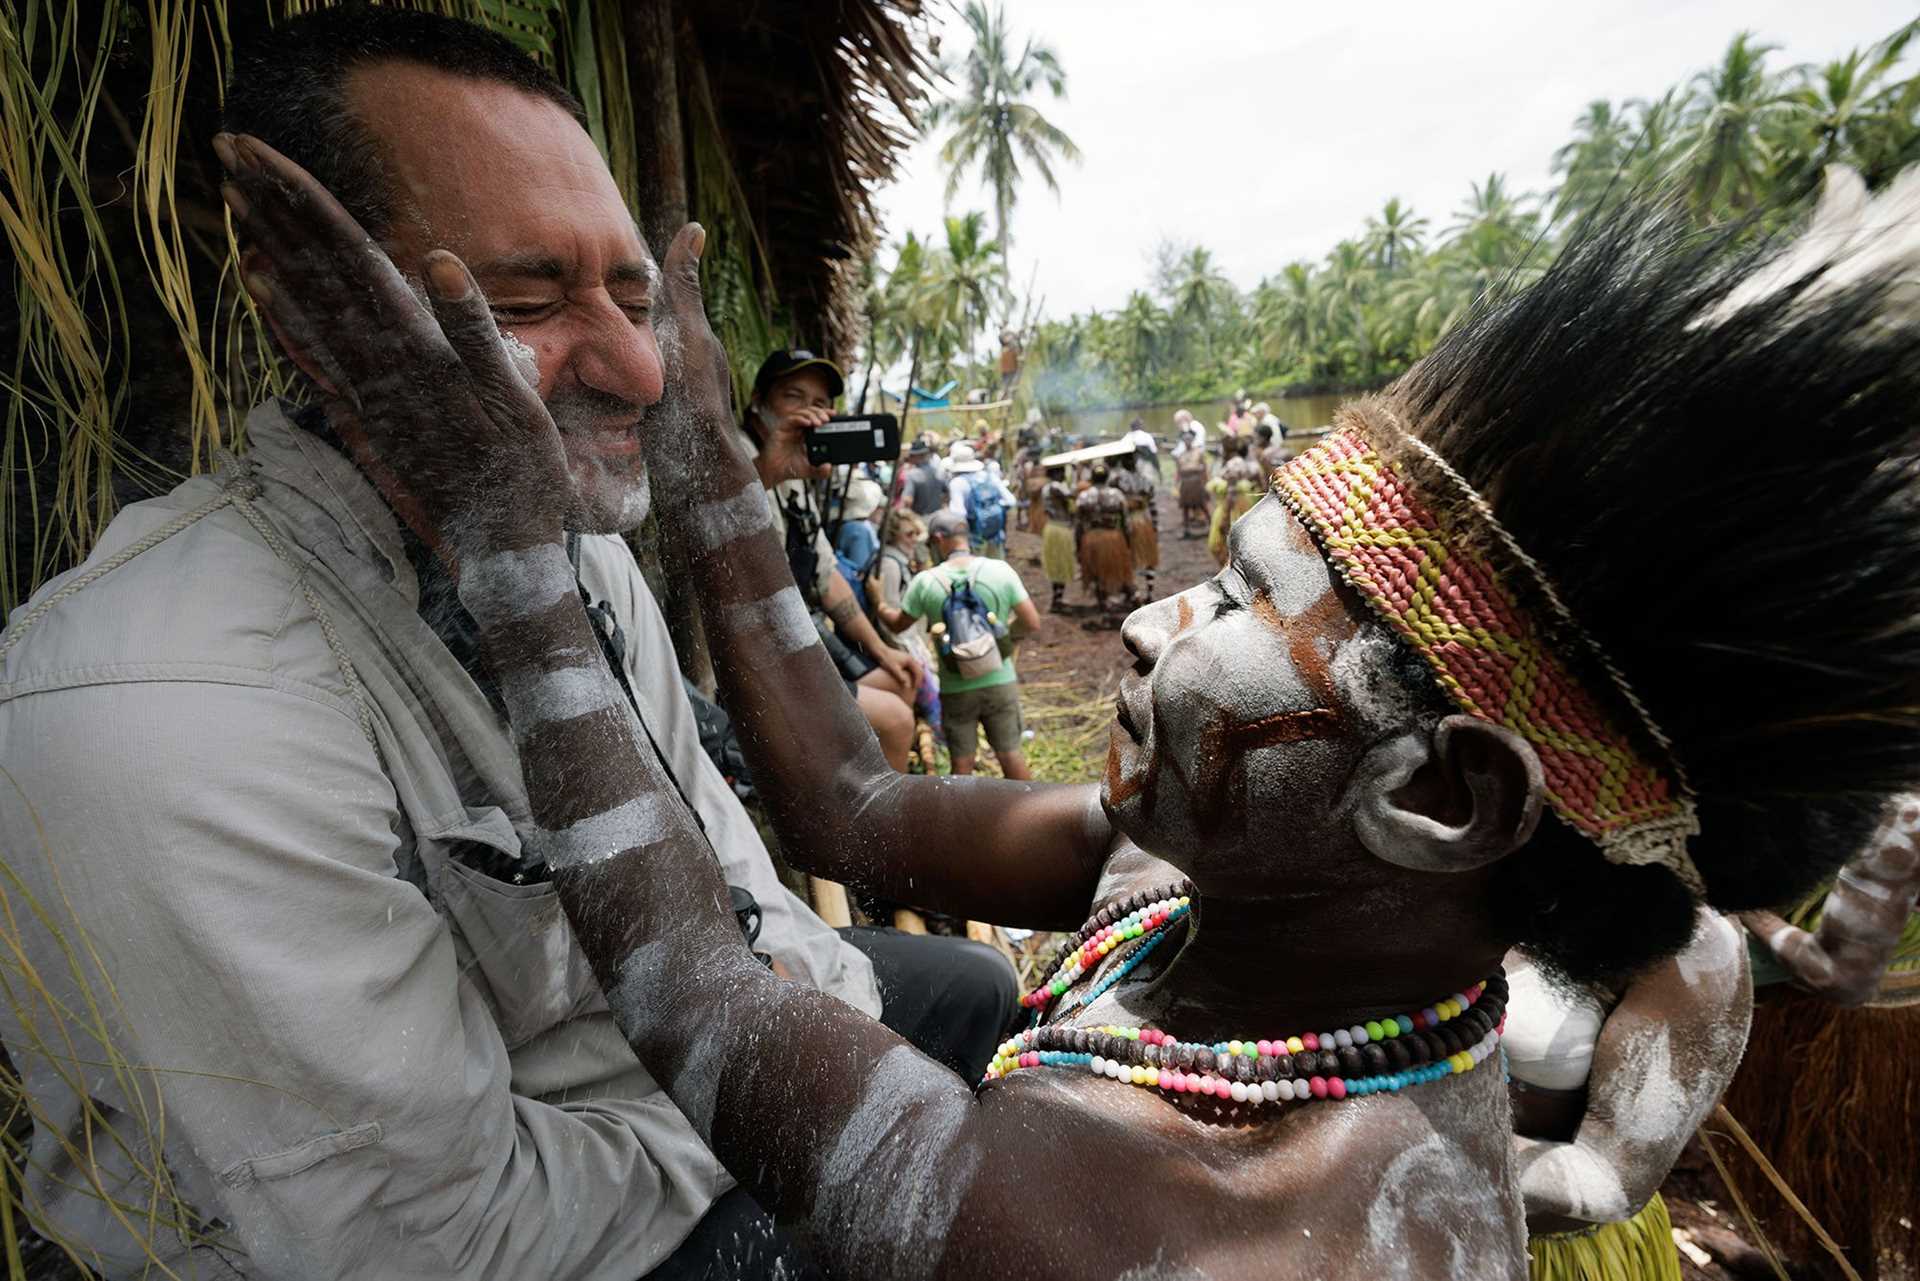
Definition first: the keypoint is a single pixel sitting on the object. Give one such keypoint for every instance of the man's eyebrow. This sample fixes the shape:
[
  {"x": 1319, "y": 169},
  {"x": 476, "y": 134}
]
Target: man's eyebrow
[
  {"x": 537, "y": 265},
  {"x": 627, "y": 273}
]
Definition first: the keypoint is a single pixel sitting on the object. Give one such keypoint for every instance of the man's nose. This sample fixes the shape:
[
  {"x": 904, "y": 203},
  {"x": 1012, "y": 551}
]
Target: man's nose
[
  {"x": 1149, "y": 629},
  {"x": 618, "y": 357}
]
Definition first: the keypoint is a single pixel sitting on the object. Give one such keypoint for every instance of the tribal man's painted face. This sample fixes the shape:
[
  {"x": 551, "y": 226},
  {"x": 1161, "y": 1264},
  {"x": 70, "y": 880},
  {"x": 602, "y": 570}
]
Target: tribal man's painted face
[{"x": 1253, "y": 696}]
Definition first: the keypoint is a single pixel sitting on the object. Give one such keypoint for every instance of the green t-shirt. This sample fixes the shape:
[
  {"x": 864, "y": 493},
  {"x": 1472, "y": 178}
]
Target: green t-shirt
[{"x": 998, "y": 586}]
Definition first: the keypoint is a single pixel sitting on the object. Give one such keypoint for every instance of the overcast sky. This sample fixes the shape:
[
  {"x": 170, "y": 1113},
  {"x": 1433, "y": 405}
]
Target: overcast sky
[{"x": 1268, "y": 131}]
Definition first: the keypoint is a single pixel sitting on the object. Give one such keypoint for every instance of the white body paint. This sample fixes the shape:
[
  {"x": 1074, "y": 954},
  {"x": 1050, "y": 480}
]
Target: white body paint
[
  {"x": 723, "y": 520},
  {"x": 598, "y": 837},
  {"x": 510, "y": 586},
  {"x": 925, "y": 1178},
  {"x": 1570, "y": 1174},
  {"x": 559, "y": 695},
  {"x": 783, "y": 616}
]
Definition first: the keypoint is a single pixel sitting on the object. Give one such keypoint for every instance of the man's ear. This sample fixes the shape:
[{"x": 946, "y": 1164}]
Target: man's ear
[
  {"x": 307, "y": 357},
  {"x": 1451, "y": 799}
]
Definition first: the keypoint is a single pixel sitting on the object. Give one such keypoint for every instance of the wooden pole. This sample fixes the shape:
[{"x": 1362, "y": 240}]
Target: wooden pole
[
  {"x": 660, "y": 151},
  {"x": 899, "y": 464},
  {"x": 659, "y": 134}
]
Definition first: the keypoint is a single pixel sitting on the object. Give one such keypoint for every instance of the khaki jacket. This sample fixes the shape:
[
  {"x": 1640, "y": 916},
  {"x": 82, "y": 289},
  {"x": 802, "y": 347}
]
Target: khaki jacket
[{"x": 274, "y": 997}]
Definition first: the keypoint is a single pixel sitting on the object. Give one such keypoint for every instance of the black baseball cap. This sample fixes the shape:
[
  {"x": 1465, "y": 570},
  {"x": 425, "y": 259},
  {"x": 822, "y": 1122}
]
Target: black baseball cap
[{"x": 792, "y": 360}]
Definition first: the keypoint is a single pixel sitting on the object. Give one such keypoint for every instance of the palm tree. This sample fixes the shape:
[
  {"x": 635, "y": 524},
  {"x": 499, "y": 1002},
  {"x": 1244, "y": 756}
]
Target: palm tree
[
  {"x": 1289, "y": 313},
  {"x": 1395, "y": 235},
  {"x": 1592, "y": 161},
  {"x": 992, "y": 123},
  {"x": 1137, "y": 332},
  {"x": 1728, "y": 155},
  {"x": 1200, "y": 295},
  {"x": 1843, "y": 109},
  {"x": 960, "y": 284},
  {"x": 1491, "y": 205}
]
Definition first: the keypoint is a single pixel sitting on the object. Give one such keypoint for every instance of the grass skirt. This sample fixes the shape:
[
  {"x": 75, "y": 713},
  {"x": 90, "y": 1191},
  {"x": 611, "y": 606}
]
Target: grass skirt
[
  {"x": 1832, "y": 1096},
  {"x": 1106, "y": 561},
  {"x": 1226, "y": 510},
  {"x": 1193, "y": 490},
  {"x": 1056, "y": 551},
  {"x": 1637, "y": 1249},
  {"x": 1145, "y": 541}
]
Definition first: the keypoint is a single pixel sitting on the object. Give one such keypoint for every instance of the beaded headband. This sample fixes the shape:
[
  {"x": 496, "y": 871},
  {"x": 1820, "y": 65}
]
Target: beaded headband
[{"x": 1424, "y": 577}]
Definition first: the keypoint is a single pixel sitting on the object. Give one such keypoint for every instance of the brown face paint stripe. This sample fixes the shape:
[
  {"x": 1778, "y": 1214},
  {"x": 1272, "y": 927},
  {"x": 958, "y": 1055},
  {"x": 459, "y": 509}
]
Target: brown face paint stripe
[
  {"x": 1224, "y": 746},
  {"x": 1186, "y": 614},
  {"x": 1327, "y": 616}
]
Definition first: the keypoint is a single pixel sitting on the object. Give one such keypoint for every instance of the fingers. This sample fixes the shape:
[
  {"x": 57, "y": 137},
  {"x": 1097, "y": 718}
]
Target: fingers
[
  {"x": 468, "y": 324},
  {"x": 680, "y": 268},
  {"x": 326, "y": 267}
]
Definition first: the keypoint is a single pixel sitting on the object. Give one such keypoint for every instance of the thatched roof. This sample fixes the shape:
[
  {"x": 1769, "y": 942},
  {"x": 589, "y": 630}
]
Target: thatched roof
[{"x": 817, "y": 100}]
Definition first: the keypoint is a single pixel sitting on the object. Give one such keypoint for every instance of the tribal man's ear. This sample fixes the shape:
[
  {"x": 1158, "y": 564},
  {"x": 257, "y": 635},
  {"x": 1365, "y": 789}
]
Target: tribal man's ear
[
  {"x": 1459, "y": 797},
  {"x": 304, "y": 354}
]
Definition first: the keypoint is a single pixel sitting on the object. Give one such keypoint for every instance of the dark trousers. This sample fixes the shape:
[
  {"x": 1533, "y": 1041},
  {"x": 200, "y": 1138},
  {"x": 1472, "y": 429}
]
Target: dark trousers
[{"x": 953, "y": 998}]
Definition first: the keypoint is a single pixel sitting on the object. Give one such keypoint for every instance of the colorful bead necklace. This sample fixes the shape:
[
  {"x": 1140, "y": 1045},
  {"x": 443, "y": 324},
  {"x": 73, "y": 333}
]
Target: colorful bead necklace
[
  {"x": 1145, "y": 914},
  {"x": 1452, "y": 1036}
]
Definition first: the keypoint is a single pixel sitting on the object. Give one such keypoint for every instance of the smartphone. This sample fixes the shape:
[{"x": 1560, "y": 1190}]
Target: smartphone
[{"x": 855, "y": 438}]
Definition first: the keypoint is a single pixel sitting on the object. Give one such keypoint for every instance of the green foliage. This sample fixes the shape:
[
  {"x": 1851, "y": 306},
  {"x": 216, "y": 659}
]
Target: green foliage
[
  {"x": 937, "y": 300},
  {"x": 1742, "y": 140},
  {"x": 993, "y": 126}
]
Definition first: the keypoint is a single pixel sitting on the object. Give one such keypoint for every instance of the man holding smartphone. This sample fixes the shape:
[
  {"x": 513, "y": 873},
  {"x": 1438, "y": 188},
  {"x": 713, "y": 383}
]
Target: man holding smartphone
[{"x": 793, "y": 394}]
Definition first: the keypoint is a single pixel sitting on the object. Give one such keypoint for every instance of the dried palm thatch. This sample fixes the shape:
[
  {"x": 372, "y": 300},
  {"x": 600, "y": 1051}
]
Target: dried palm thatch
[{"x": 816, "y": 101}]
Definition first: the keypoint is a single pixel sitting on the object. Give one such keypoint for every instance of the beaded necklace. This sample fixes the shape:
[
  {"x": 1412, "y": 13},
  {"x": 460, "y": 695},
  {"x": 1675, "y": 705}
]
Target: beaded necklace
[{"x": 1451, "y": 1036}]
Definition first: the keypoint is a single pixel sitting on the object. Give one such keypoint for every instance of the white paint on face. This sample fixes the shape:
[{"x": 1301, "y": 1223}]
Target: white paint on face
[
  {"x": 523, "y": 359},
  {"x": 598, "y": 837},
  {"x": 514, "y": 585},
  {"x": 1221, "y": 809},
  {"x": 894, "y": 1188},
  {"x": 723, "y": 520},
  {"x": 782, "y": 616},
  {"x": 1365, "y": 676}
]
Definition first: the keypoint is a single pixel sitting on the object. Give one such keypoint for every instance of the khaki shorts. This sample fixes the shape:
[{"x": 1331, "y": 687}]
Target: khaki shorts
[{"x": 996, "y": 706}]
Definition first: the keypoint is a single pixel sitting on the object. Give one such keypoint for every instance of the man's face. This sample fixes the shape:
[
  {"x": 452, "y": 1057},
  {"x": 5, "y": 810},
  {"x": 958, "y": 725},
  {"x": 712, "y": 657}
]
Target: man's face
[
  {"x": 803, "y": 390},
  {"x": 513, "y": 186}
]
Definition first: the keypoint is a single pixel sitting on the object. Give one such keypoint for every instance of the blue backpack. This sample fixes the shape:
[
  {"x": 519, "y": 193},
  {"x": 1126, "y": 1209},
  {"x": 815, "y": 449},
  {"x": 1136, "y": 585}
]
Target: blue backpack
[
  {"x": 986, "y": 510},
  {"x": 969, "y": 634}
]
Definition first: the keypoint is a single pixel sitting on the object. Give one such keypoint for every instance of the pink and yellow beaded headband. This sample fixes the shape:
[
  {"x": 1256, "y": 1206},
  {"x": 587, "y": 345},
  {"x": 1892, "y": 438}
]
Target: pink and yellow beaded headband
[{"x": 1425, "y": 579}]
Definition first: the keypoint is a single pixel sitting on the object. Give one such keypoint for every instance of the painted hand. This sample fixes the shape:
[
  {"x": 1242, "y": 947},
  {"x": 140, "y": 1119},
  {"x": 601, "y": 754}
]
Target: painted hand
[
  {"x": 688, "y": 436},
  {"x": 1862, "y": 921},
  {"x": 422, "y": 390}
]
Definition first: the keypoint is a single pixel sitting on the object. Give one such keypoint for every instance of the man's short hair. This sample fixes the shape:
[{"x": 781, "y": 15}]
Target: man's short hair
[
  {"x": 289, "y": 89},
  {"x": 946, "y": 524}
]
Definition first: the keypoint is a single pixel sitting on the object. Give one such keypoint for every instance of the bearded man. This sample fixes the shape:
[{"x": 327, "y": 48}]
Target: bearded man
[{"x": 263, "y": 783}]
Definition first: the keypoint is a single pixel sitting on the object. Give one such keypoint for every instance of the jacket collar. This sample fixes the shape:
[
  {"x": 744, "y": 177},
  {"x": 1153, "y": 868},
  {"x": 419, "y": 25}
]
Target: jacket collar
[{"x": 282, "y": 451}]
